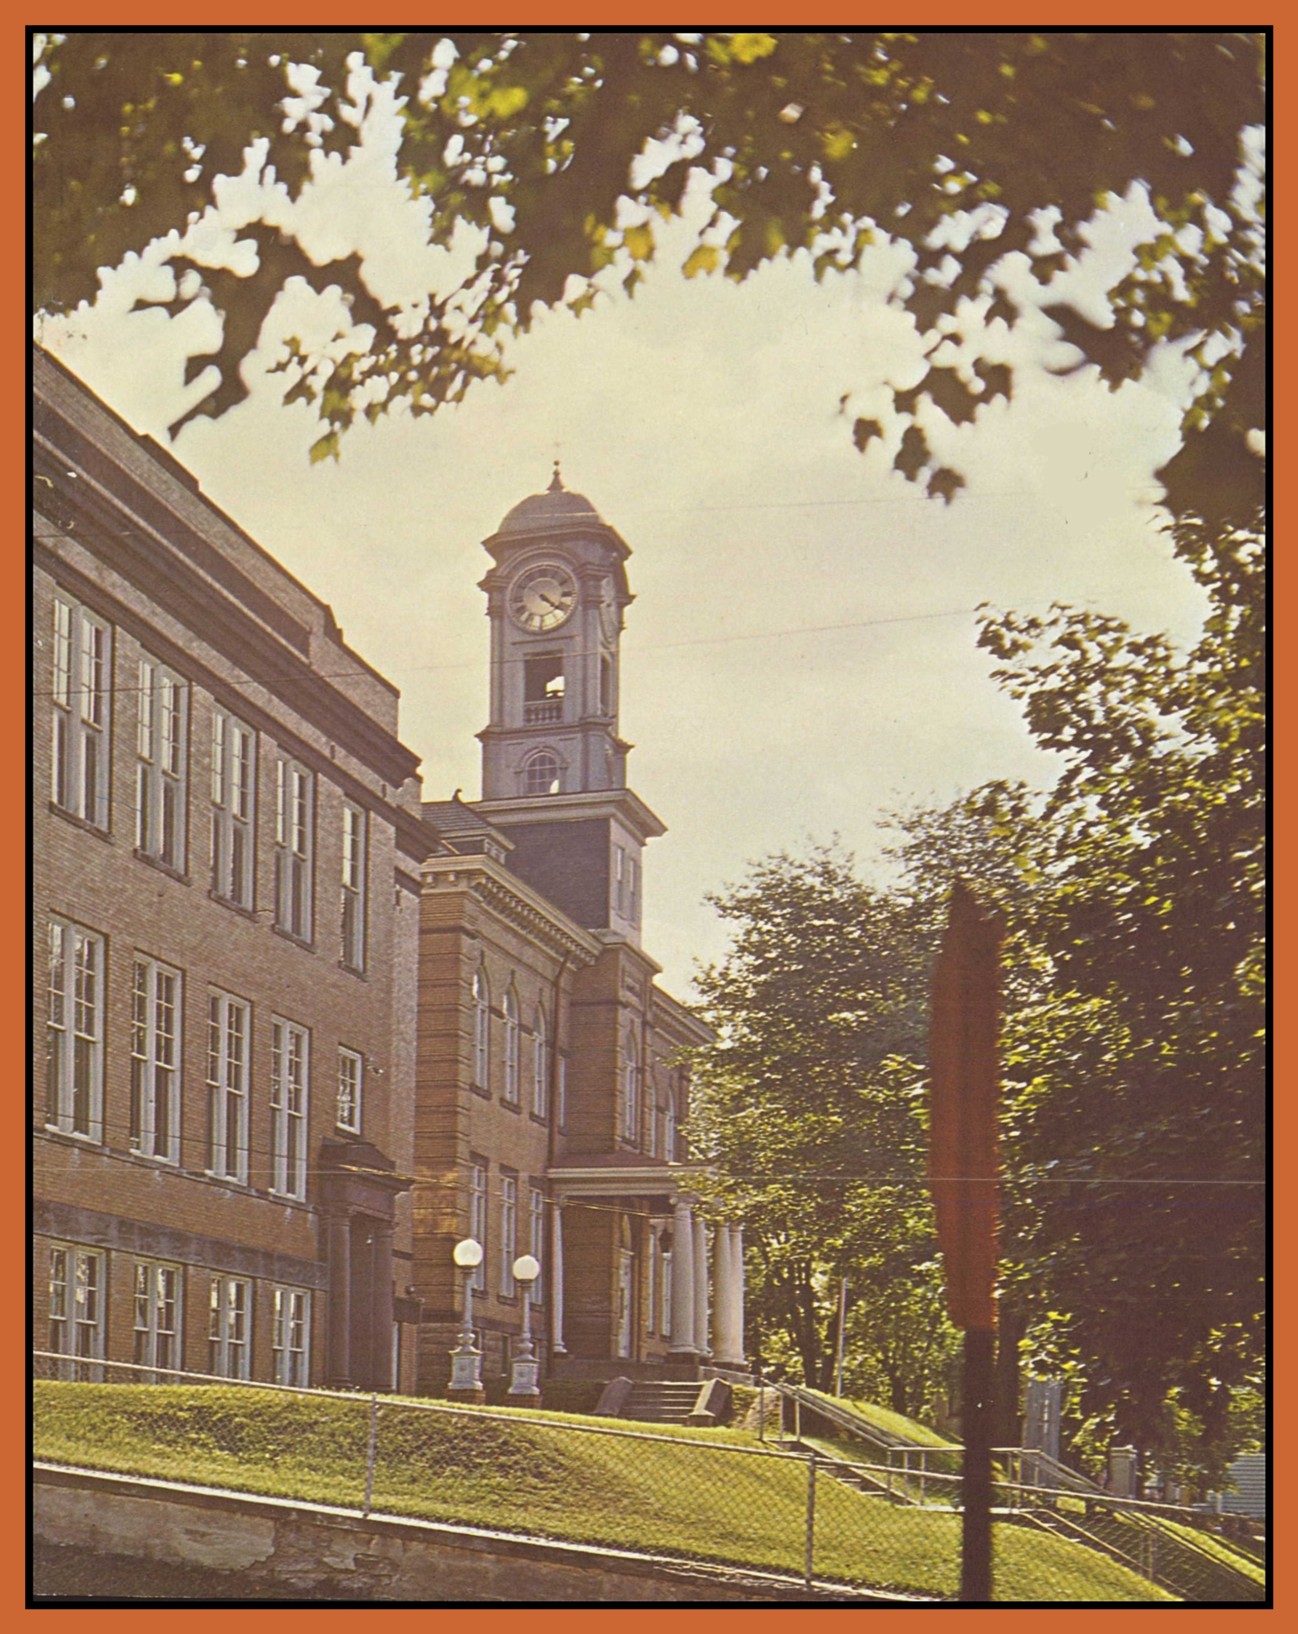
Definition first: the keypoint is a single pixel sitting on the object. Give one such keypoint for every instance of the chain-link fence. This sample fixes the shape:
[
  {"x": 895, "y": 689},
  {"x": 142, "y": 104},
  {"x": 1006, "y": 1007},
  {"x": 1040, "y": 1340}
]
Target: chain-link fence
[{"x": 718, "y": 1496}]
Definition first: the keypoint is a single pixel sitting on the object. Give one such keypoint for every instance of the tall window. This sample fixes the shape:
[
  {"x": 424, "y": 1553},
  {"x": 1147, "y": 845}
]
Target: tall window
[
  {"x": 294, "y": 813},
  {"x": 513, "y": 1046},
  {"x": 541, "y": 773},
  {"x": 77, "y": 1309},
  {"x": 155, "y": 1061},
  {"x": 651, "y": 1282},
  {"x": 631, "y": 1090},
  {"x": 160, "y": 765},
  {"x": 536, "y": 1236},
  {"x": 478, "y": 1220},
  {"x": 157, "y": 1315},
  {"x": 540, "y": 1066},
  {"x": 291, "y": 1335},
  {"x": 665, "y": 1303},
  {"x": 508, "y": 1231},
  {"x": 229, "y": 1033},
  {"x": 669, "y": 1126},
  {"x": 288, "y": 1107},
  {"x": 651, "y": 1107},
  {"x": 351, "y": 1073},
  {"x": 74, "y": 1032},
  {"x": 234, "y": 794},
  {"x": 353, "y": 883},
  {"x": 81, "y": 680},
  {"x": 481, "y": 1029},
  {"x": 229, "y": 1327},
  {"x": 561, "y": 1092}
]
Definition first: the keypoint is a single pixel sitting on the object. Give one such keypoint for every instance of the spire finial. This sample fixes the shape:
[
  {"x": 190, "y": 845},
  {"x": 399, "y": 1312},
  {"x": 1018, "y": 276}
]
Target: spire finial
[{"x": 556, "y": 481}]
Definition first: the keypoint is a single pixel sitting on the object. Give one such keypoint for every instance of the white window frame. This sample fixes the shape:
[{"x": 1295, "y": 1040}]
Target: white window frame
[
  {"x": 290, "y": 1339},
  {"x": 536, "y": 1235},
  {"x": 157, "y": 999},
  {"x": 540, "y": 1065},
  {"x": 161, "y": 761},
  {"x": 290, "y": 1095},
  {"x": 230, "y": 1327},
  {"x": 229, "y": 1052},
  {"x": 159, "y": 1308},
  {"x": 81, "y": 671},
  {"x": 481, "y": 1029},
  {"x": 74, "y": 1031},
  {"x": 355, "y": 872},
  {"x": 543, "y": 773},
  {"x": 478, "y": 1221},
  {"x": 513, "y": 1047},
  {"x": 508, "y": 1233},
  {"x": 234, "y": 808},
  {"x": 631, "y": 1091},
  {"x": 351, "y": 1087},
  {"x": 294, "y": 847},
  {"x": 78, "y": 1296}
]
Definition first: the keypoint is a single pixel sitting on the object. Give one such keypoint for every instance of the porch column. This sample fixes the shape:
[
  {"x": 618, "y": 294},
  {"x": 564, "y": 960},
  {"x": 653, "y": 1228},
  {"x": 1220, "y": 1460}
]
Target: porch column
[
  {"x": 556, "y": 1281},
  {"x": 723, "y": 1304},
  {"x": 683, "y": 1279},
  {"x": 737, "y": 1287},
  {"x": 383, "y": 1317},
  {"x": 340, "y": 1299},
  {"x": 701, "y": 1312}
]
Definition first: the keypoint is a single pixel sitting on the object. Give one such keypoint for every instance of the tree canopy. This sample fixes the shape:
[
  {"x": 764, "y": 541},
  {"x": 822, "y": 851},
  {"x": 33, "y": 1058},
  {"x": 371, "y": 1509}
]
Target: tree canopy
[{"x": 549, "y": 162}]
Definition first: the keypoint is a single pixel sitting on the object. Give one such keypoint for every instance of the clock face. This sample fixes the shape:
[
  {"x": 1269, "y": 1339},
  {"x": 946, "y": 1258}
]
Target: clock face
[{"x": 542, "y": 596}]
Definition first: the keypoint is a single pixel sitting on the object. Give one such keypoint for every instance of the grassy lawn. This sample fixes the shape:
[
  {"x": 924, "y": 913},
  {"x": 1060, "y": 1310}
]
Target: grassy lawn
[
  {"x": 695, "y": 1494},
  {"x": 883, "y": 1418}
]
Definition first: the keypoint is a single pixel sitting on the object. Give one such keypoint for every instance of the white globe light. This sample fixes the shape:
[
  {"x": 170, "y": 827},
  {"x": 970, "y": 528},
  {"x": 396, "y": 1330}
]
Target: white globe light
[
  {"x": 526, "y": 1269},
  {"x": 467, "y": 1254}
]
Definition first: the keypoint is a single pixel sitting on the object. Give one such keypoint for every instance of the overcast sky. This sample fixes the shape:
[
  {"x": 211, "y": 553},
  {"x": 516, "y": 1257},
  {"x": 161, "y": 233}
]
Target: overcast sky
[{"x": 800, "y": 657}]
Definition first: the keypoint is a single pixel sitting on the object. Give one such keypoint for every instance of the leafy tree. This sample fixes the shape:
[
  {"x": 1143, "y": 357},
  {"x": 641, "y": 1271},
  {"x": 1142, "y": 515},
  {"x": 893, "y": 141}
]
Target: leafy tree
[
  {"x": 807, "y": 1106},
  {"x": 1137, "y": 1079},
  {"x": 549, "y": 161}
]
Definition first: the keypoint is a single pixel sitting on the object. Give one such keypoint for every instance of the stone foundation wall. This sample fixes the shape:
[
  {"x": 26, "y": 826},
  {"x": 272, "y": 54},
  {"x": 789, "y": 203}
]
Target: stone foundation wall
[{"x": 273, "y": 1544}]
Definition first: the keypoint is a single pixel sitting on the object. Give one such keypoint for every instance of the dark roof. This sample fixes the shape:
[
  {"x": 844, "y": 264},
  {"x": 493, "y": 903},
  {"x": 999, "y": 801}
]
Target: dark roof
[{"x": 451, "y": 817}]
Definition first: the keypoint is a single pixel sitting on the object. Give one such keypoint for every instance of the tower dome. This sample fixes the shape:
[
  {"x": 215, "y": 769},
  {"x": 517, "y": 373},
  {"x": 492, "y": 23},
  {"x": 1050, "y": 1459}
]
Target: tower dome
[{"x": 555, "y": 508}]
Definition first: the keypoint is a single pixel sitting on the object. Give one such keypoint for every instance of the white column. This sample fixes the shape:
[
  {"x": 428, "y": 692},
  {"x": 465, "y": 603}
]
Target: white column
[
  {"x": 701, "y": 1312},
  {"x": 682, "y": 1279},
  {"x": 556, "y": 1281},
  {"x": 737, "y": 1287},
  {"x": 723, "y": 1298}
]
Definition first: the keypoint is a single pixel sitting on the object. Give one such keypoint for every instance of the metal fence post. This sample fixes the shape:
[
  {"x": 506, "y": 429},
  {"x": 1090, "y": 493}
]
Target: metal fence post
[
  {"x": 761, "y": 1407},
  {"x": 797, "y": 1418},
  {"x": 369, "y": 1453},
  {"x": 923, "y": 1474},
  {"x": 811, "y": 1518}
]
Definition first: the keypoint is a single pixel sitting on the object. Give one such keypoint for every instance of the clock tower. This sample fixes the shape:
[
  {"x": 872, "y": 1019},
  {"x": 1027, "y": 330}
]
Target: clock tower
[{"x": 553, "y": 765}]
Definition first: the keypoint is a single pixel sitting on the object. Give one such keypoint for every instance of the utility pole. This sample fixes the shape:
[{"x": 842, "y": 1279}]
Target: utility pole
[
  {"x": 842, "y": 1323},
  {"x": 964, "y": 1177}
]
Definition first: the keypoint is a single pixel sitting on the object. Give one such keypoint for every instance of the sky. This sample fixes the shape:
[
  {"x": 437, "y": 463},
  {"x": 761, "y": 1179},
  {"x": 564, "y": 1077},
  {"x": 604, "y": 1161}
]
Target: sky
[{"x": 800, "y": 659}]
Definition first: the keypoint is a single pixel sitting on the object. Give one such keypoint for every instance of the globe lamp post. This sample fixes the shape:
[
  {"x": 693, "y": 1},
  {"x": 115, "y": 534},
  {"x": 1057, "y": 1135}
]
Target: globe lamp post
[
  {"x": 466, "y": 1358},
  {"x": 525, "y": 1371}
]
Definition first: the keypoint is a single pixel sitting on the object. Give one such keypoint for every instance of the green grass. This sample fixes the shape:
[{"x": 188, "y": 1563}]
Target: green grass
[
  {"x": 883, "y": 1418},
  {"x": 682, "y": 1494}
]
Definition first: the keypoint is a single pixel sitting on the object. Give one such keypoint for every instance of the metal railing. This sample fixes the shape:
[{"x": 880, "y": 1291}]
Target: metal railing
[{"x": 782, "y": 1509}]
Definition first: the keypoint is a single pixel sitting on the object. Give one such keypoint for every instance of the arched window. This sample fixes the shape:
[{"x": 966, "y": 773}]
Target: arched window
[
  {"x": 512, "y": 1046},
  {"x": 540, "y": 1066},
  {"x": 481, "y": 1028},
  {"x": 541, "y": 773},
  {"x": 631, "y": 1090},
  {"x": 669, "y": 1126}
]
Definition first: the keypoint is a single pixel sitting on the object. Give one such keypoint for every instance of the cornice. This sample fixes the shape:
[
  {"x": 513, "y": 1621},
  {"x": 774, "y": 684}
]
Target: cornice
[{"x": 513, "y": 901}]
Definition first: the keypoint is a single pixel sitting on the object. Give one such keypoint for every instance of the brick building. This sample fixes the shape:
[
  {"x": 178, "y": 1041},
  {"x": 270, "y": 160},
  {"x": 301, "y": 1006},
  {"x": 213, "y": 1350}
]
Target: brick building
[
  {"x": 302, "y": 1032},
  {"x": 551, "y": 1077},
  {"x": 227, "y": 846}
]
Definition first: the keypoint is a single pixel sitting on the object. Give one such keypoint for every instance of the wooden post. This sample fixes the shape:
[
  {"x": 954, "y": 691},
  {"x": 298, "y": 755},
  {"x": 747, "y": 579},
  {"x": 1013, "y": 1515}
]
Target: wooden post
[{"x": 976, "y": 1485}]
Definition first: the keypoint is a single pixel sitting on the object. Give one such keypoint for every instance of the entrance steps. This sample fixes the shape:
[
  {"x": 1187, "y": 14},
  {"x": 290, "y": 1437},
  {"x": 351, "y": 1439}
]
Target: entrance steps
[{"x": 661, "y": 1401}]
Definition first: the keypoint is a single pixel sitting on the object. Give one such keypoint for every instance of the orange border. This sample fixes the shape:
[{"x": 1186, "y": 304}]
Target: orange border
[{"x": 522, "y": 13}]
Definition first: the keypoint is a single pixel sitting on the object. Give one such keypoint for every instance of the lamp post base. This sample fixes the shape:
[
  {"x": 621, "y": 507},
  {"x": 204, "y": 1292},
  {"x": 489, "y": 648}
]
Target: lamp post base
[
  {"x": 525, "y": 1380},
  {"x": 466, "y": 1375}
]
